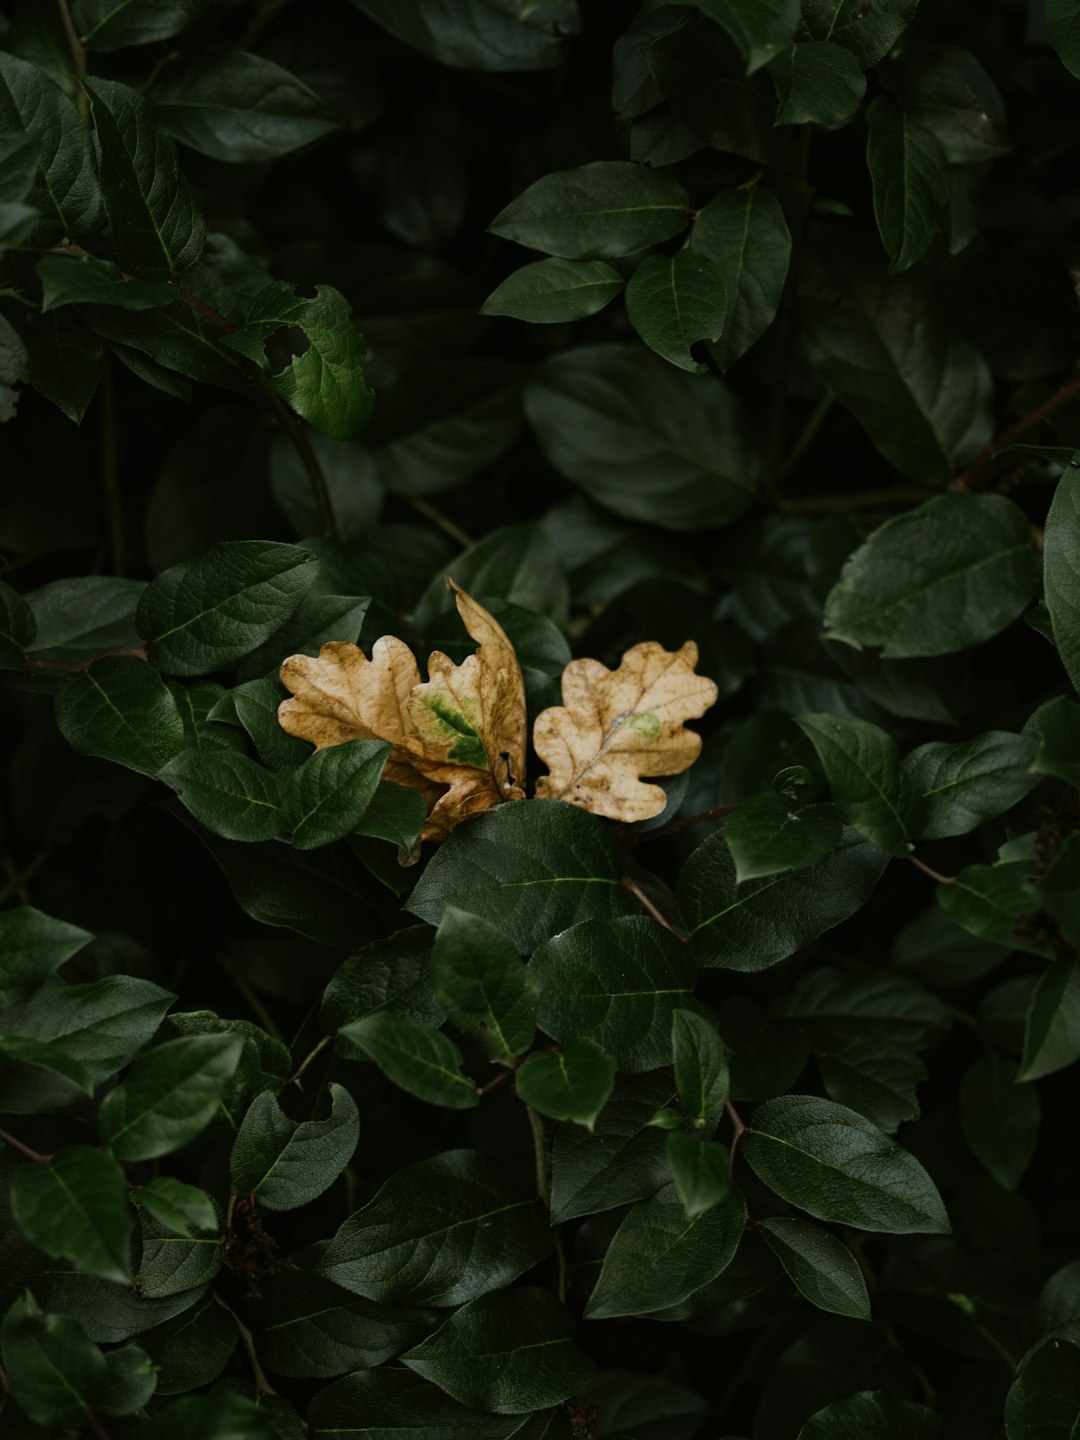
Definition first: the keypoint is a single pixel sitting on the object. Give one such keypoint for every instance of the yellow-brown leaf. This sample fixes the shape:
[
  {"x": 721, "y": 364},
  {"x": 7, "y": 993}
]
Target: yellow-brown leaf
[{"x": 615, "y": 726}]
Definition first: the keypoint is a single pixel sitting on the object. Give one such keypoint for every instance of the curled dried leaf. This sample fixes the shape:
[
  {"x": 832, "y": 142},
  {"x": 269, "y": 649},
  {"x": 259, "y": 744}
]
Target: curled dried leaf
[{"x": 617, "y": 725}]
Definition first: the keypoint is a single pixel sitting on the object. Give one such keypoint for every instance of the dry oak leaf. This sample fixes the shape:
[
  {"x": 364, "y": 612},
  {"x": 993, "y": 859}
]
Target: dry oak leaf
[
  {"x": 617, "y": 725},
  {"x": 458, "y": 738}
]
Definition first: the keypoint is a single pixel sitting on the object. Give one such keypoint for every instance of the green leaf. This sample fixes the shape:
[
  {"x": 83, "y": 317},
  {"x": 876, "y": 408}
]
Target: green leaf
[
  {"x": 745, "y": 234},
  {"x": 53, "y": 1370},
  {"x": 1000, "y": 1119},
  {"x": 675, "y": 300},
  {"x": 817, "y": 83},
  {"x": 17, "y": 628},
  {"x": 887, "y": 350},
  {"x": 228, "y": 792},
  {"x": 822, "y": 1269},
  {"x": 312, "y": 355},
  {"x": 288, "y": 1163},
  {"x": 67, "y": 281},
  {"x": 760, "y": 922},
  {"x": 573, "y": 1083},
  {"x": 178, "y": 1207},
  {"x": 1044, "y": 1399},
  {"x": 65, "y": 190},
  {"x": 702, "y": 1080},
  {"x": 938, "y": 579},
  {"x": 555, "y": 291},
  {"x": 130, "y": 1380},
  {"x": 77, "y": 1209},
  {"x": 768, "y": 834},
  {"x": 396, "y": 813},
  {"x": 1057, "y": 727},
  {"x": 531, "y": 869},
  {"x": 872, "y": 1415},
  {"x": 487, "y": 35},
  {"x": 620, "y": 1160},
  {"x": 617, "y": 982},
  {"x": 156, "y": 230},
  {"x": 172, "y": 1264},
  {"x": 519, "y": 565},
  {"x": 13, "y": 369},
  {"x": 838, "y": 1167},
  {"x": 193, "y": 1348},
  {"x": 1063, "y": 28},
  {"x": 965, "y": 784},
  {"x": 78, "y": 619},
  {"x": 415, "y": 1056},
  {"x": 1059, "y": 889},
  {"x": 160, "y": 346},
  {"x": 482, "y": 985},
  {"x": 380, "y": 1404},
  {"x": 32, "y": 946},
  {"x": 910, "y": 179},
  {"x": 121, "y": 710},
  {"x": 1052, "y": 1027},
  {"x": 65, "y": 362},
  {"x": 393, "y": 974},
  {"x": 207, "y": 612},
  {"x": 657, "y": 1257},
  {"x": 642, "y": 440},
  {"x": 440, "y": 1232},
  {"x": 238, "y": 107},
  {"x": 484, "y": 1355},
  {"x": 867, "y": 781},
  {"x": 1061, "y": 561},
  {"x": 598, "y": 211},
  {"x": 327, "y": 796},
  {"x": 701, "y": 1171},
  {"x": 869, "y": 35},
  {"x": 113, "y": 24},
  {"x": 18, "y": 166},
  {"x": 760, "y": 28},
  {"x": 220, "y": 1416},
  {"x": 170, "y": 1095},
  {"x": 875, "y": 1077},
  {"x": 309, "y": 1327},
  {"x": 36, "y": 1077},
  {"x": 991, "y": 901}
]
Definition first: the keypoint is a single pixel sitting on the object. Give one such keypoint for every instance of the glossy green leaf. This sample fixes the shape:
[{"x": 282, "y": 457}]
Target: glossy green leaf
[
  {"x": 817, "y": 83},
  {"x": 156, "y": 229},
  {"x": 1052, "y": 1027},
  {"x": 32, "y": 946},
  {"x": 312, "y": 1328},
  {"x": 238, "y": 107},
  {"x": 81, "y": 619},
  {"x": 114, "y": 24},
  {"x": 555, "y": 291},
  {"x": 378, "y": 1404},
  {"x": 121, "y": 710},
  {"x": 485, "y": 35},
  {"x": 876, "y": 1077},
  {"x": 170, "y": 1095},
  {"x": 17, "y": 627},
  {"x": 440, "y": 1232},
  {"x": 1000, "y": 1119},
  {"x": 938, "y": 579},
  {"x": 18, "y": 166},
  {"x": 868, "y": 35},
  {"x": 97, "y": 282},
  {"x": 1063, "y": 28},
  {"x": 965, "y": 784},
  {"x": 641, "y": 439},
  {"x": 173, "y": 1264},
  {"x": 288, "y": 1163},
  {"x": 53, "y": 1370},
  {"x": 571, "y": 1083},
  {"x": 77, "y": 1209},
  {"x": 486, "y": 1354},
  {"x": 419, "y": 1058},
  {"x": 482, "y": 985},
  {"x": 673, "y": 301},
  {"x": 701, "y": 1170},
  {"x": 130, "y": 1380},
  {"x": 65, "y": 360},
  {"x": 327, "y": 796},
  {"x": 36, "y": 1077},
  {"x": 207, "y": 612},
  {"x": 760, "y": 922},
  {"x": 745, "y": 234},
  {"x": 866, "y": 779},
  {"x": 1057, "y": 728},
  {"x": 994, "y": 901},
  {"x": 768, "y": 834},
  {"x": 838, "y": 1167},
  {"x": 823, "y": 1270},
  {"x": 531, "y": 869},
  {"x": 13, "y": 369},
  {"x": 227, "y": 792},
  {"x": 65, "y": 189},
  {"x": 760, "y": 28},
  {"x": 702, "y": 1079},
  {"x": 1061, "y": 560},
  {"x": 312, "y": 354},
  {"x": 620, "y": 1160},
  {"x": 598, "y": 211},
  {"x": 178, "y": 1207},
  {"x": 910, "y": 181},
  {"x": 872, "y": 1413},
  {"x": 617, "y": 982},
  {"x": 223, "y": 1415},
  {"x": 657, "y": 1257}
]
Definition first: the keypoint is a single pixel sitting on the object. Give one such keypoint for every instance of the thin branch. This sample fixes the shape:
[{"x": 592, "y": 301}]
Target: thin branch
[
  {"x": 257, "y": 1007},
  {"x": 308, "y": 458},
  {"x": 806, "y": 438},
  {"x": 739, "y": 1128},
  {"x": 78, "y": 57},
  {"x": 97, "y": 1427},
  {"x": 857, "y": 500},
  {"x": 629, "y": 883},
  {"x": 294, "y": 1078},
  {"x": 201, "y": 306},
  {"x": 539, "y": 1154},
  {"x": 929, "y": 870},
  {"x": 17, "y": 882},
  {"x": 970, "y": 478},
  {"x": 35, "y": 1155},
  {"x": 641, "y": 836},
  {"x": 262, "y": 1384},
  {"x": 446, "y": 525},
  {"x": 491, "y": 1084}
]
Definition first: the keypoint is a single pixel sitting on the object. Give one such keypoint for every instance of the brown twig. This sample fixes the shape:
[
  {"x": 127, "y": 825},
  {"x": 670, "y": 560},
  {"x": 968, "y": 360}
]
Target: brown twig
[
  {"x": 929, "y": 870},
  {"x": 491, "y": 1084},
  {"x": 294, "y": 1078},
  {"x": 969, "y": 478},
  {"x": 247, "y": 1339},
  {"x": 78, "y": 57},
  {"x": 639, "y": 837},
  {"x": 628, "y": 883},
  {"x": 35, "y": 1155},
  {"x": 738, "y": 1125}
]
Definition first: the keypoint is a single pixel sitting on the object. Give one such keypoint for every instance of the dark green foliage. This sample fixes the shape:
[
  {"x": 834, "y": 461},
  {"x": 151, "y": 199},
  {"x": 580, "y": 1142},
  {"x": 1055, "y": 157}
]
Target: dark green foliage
[{"x": 751, "y": 323}]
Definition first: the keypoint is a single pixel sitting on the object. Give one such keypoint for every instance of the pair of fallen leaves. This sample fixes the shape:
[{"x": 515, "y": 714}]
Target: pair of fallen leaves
[{"x": 460, "y": 736}]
